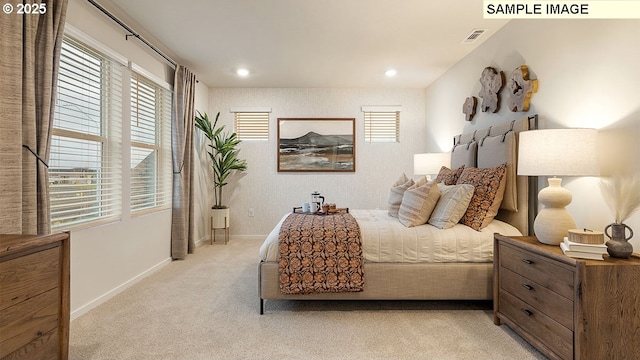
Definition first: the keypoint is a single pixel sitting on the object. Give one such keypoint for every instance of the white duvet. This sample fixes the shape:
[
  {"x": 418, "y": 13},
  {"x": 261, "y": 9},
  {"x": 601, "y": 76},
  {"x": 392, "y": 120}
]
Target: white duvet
[{"x": 385, "y": 239}]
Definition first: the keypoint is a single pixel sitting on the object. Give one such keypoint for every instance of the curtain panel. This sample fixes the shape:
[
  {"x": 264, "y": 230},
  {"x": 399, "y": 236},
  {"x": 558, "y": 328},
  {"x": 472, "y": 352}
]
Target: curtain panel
[
  {"x": 182, "y": 224},
  {"x": 29, "y": 63}
]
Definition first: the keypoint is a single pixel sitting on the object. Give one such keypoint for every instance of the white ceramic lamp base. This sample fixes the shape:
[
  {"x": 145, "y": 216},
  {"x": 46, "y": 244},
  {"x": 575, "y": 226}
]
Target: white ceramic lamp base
[{"x": 553, "y": 221}]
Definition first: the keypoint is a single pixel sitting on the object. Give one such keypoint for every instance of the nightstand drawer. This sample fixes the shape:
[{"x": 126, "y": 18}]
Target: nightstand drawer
[
  {"x": 44, "y": 347},
  {"x": 544, "y": 271},
  {"x": 555, "y": 336},
  {"x": 27, "y": 276},
  {"x": 29, "y": 320},
  {"x": 548, "y": 302}
]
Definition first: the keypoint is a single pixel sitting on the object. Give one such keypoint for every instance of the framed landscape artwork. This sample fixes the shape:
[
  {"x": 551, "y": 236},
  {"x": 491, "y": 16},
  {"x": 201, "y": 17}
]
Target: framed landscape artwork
[{"x": 312, "y": 144}]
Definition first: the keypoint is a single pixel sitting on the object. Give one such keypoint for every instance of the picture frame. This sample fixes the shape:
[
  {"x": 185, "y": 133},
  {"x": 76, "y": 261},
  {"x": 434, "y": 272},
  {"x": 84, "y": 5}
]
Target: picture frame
[{"x": 316, "y": 144}]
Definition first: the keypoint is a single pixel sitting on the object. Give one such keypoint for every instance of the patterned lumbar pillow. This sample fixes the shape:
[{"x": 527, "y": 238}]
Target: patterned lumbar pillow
[
  {"x": 489, "y": 186},
  {"x": 448, "y": 176},
  {"x": 453, "y": 203},
  {"x": 397, "y": 191},
  {"x": 417, "y": 203}
]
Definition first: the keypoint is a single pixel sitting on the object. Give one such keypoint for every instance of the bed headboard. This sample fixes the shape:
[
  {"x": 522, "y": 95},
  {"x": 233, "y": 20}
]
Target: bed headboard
[{"x": 494, "y": 146}]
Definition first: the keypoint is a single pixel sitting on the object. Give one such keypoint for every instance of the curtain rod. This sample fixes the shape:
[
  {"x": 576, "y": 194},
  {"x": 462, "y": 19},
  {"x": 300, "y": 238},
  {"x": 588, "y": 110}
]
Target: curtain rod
[{"x": 133, "y": 33}]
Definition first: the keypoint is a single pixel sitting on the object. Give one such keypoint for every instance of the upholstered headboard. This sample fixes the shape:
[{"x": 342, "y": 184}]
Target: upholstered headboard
[{"x": 494, "y": 146}]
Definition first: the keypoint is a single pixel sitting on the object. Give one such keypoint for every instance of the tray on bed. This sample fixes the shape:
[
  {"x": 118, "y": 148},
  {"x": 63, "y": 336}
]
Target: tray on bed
[{"x": 298, "y": 210}]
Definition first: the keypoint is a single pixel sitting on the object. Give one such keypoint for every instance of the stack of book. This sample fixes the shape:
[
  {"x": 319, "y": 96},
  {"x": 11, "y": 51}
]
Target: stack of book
[{"x": 583, "y": 251}]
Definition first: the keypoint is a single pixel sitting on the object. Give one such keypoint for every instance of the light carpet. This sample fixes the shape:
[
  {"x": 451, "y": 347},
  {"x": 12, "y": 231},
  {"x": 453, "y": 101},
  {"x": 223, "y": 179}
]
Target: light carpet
[{"x": 207, "y": 307}]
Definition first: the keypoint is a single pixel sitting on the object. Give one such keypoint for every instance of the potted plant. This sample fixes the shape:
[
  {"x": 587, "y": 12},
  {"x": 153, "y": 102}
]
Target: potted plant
[
  {"x": 223, "y": 152},
  {"x": 622, "y": 194}
]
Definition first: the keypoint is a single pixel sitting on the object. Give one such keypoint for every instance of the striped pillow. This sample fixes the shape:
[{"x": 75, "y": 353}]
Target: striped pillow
[
  {"x": 397, "y": 191},
  {"x": 417, "y": 203},
  {"x": 453, "y": 203}
]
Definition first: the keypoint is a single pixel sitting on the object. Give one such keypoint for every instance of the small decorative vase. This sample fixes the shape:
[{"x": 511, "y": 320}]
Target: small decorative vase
[{"x": 618, "y": 245}]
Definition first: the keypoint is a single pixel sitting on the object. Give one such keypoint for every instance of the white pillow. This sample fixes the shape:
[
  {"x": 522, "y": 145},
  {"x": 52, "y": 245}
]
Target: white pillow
[
  {"x": 453, "y": 203},
  {"x": 396, "y": 193},
  {"x": 417, "y": 203}
]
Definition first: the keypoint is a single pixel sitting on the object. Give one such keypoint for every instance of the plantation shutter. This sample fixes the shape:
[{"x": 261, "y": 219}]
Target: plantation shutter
[{"x": 85, "y": 160}]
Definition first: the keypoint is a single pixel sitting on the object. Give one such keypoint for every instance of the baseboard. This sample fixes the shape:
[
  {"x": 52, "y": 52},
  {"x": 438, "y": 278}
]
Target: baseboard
[
  {"x": 96, "y": 302},
  {"x": 204, "y": 241}
]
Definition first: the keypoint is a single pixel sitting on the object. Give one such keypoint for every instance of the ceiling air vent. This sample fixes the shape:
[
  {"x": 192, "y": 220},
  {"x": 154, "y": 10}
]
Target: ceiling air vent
[{"x": 473, "y": 36}]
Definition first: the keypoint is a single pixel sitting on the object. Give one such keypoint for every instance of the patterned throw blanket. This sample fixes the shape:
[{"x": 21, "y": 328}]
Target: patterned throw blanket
[{"x": 320, "y": 254}]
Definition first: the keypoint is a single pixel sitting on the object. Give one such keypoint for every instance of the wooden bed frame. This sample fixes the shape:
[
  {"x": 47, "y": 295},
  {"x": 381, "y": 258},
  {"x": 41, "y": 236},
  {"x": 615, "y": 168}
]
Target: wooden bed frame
[{"x": 427, "y": 281}]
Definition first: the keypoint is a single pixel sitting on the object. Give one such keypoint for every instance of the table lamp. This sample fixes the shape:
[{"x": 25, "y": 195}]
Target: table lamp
[
  {"x": 556, "y": 152},
  {"x": 430, "y": 163}
]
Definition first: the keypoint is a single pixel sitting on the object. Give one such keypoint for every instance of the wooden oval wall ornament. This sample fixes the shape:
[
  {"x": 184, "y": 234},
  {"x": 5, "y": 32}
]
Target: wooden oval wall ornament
[
  {"x": 521, "y": 88},
  {"x": 491, "y": 81},
  {"x": 469, "y": 107}
]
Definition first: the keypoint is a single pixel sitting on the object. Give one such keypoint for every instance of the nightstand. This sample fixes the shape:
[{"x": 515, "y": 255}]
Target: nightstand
[
  {"x": 565, "y": 307},
  {"x": 34, "y": 296}
]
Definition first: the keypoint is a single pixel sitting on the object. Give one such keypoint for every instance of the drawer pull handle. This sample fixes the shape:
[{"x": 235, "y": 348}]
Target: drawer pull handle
[
  {"x": 527, "y": 261},
  {"x": 528, "y": 312},
  {"x": 527, "y": 286}
]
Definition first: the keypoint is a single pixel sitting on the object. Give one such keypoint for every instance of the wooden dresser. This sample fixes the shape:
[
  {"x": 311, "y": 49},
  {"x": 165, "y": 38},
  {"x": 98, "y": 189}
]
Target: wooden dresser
[
  {"x": 567, "y": 308},
  {"x": 34, "y": 297}
]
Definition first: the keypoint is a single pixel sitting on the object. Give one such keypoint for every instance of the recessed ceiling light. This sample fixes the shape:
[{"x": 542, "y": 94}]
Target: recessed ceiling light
[
  {"x": 242, "y": 72},
  {"x": 390, "y": 72}
]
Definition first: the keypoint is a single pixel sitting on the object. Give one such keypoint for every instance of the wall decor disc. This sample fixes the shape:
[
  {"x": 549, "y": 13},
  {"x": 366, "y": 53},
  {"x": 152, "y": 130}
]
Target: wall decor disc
[
  {"x": 492, "y": 81},
  {"x": 521, "y": 88}
]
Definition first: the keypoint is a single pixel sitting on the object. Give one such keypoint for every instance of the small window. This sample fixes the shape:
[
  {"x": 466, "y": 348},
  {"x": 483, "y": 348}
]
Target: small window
[
  {"x": 381, "y": 123},
  {"x": 251, "y": 124}
]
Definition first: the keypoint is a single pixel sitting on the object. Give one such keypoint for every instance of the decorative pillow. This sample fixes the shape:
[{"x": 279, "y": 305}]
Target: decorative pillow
[
  {"x": 397, "y": 191},
  {"x": 496, "y": 150},
  {"x": 489, "y": 189},
  {"x": 418, "y": 203},
  {"x": 453, "y": 203},
  {"x": 423, "y": 181},
  {"x": 448, "y": 176}
]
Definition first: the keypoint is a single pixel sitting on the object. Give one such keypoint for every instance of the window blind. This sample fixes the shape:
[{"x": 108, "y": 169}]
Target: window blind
[
  {"x": 252, "y": 125},
  {"x": 381, "y": 126},
  {"x": 85, "y": 157},
  {"x": 150, "y": 145}
]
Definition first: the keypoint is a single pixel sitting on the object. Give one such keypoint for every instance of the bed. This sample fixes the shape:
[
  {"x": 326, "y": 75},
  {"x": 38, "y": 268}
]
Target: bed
[{"x": 423, "y": 262}]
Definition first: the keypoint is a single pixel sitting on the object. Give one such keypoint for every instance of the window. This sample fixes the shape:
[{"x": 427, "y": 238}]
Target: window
[
  {"x": 251, "y": 123},
  {"x": 84, "y": 164},
  {"x": 150, "y": 144},
  {"x": 381, "y": 123}
]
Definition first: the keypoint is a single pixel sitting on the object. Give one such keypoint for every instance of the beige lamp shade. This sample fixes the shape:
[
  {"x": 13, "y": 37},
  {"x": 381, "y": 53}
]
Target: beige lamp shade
[
  {"x": 567, "y": 152},
  {"x": 558, "y": 152},
  {"x": 430, "y": 163}
]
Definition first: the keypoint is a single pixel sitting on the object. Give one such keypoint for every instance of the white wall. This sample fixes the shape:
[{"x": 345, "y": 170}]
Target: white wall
[
  {"x": 271, "y": 194},
  {"x": 587, "y": 78},
  {"x": 108, "y": 258}
]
